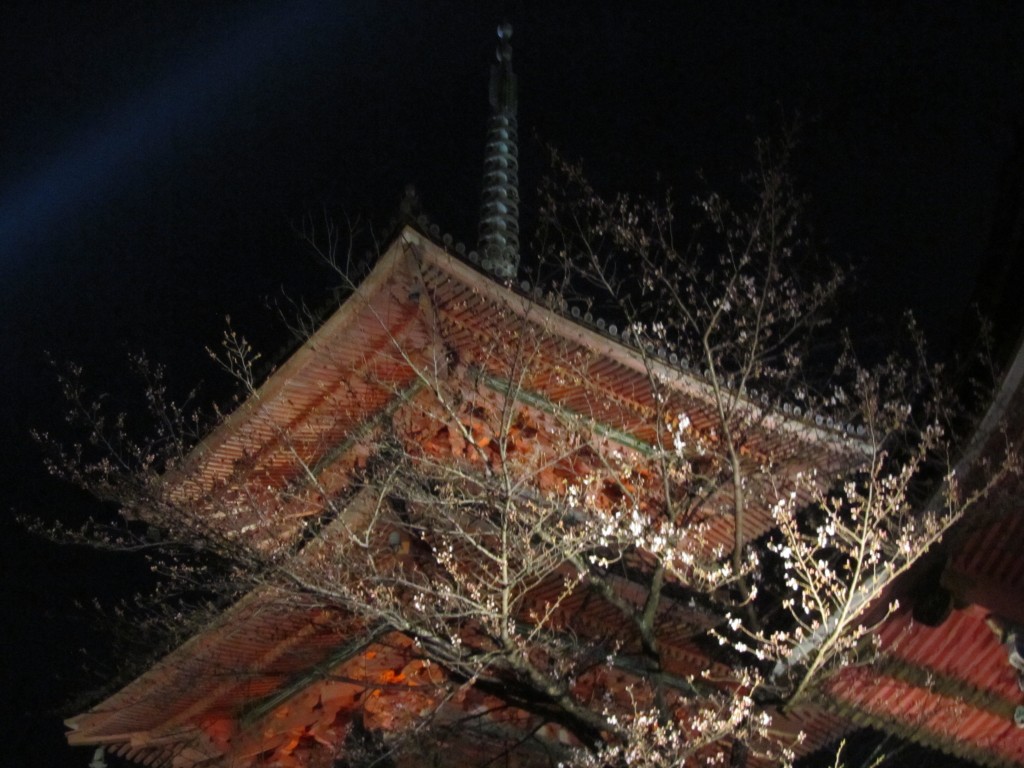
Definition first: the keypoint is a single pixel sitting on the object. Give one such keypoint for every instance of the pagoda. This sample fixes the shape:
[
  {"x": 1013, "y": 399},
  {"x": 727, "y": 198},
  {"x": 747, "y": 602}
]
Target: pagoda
[{"x": 444, "y": 387}]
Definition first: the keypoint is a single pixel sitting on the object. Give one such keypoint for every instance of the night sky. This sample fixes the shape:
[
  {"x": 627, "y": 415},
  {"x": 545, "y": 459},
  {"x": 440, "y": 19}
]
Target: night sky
[{"x": 155, "y": 158}]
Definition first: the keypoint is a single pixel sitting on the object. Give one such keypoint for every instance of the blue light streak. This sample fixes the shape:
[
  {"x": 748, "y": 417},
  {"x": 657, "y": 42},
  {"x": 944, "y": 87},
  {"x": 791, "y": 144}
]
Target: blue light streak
[{"x": 107, "y": 156}]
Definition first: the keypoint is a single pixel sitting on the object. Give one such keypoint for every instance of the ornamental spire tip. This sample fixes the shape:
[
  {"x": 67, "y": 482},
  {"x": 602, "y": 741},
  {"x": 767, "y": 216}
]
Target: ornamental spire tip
[{"x": 499, "y": 205}]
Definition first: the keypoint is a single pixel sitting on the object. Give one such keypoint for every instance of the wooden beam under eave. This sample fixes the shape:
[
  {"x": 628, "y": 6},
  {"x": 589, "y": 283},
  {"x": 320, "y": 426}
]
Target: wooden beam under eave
[{"x": 82, "y": 738}]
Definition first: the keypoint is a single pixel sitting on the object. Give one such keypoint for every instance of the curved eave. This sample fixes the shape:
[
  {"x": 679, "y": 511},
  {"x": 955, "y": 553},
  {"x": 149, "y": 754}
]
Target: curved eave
[{"x": 366, "y": 329}]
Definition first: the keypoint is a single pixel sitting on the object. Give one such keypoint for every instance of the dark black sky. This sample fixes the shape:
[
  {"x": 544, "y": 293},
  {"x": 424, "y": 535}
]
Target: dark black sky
[{"x": 155, "y": 155}]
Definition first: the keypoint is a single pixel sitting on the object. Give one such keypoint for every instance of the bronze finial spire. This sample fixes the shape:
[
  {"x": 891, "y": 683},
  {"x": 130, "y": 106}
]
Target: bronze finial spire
[{"x": 499, "y": 206}]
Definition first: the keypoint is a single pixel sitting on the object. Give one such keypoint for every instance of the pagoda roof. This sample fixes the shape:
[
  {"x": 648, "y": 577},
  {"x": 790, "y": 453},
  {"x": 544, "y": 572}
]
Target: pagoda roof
[
  {"x": 259, "y": 676},
  {"x": 421, "y": 302}
]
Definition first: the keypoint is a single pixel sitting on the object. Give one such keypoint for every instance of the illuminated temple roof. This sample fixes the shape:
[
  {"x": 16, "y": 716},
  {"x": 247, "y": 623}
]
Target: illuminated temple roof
[
  {"x": 283, "y": 680},
  {"x": 275, "y": 677},
  {"x": 262, "y": 679}
]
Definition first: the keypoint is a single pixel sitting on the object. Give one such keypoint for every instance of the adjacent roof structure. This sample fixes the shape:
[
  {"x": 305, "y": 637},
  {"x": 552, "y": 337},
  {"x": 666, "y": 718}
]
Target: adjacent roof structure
[{"x": 949, "y": 679}]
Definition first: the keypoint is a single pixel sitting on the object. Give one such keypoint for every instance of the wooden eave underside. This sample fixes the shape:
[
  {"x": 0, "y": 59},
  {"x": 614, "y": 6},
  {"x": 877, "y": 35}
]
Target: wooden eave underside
[
  {"x": 263, "y": 677},
  {"x": 254, "y": 649},
  {"x": 948, "y": 687}
]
